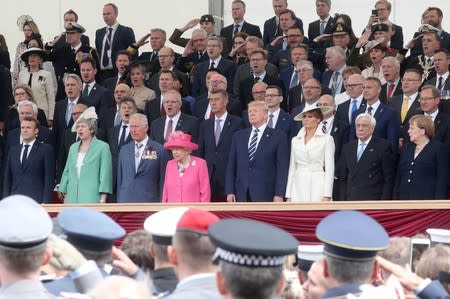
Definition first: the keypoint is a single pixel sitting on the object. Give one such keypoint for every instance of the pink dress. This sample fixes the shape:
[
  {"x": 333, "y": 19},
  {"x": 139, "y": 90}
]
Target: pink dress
[{"x": 192, "y": 186}]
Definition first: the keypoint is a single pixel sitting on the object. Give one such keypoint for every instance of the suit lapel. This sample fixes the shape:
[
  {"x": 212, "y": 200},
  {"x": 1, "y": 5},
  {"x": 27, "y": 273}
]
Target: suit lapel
[
  {"x": 414, "y": 106},
  {"x": 225, "y": 128},
  {"x": 31, "y": 153},
  {"x": 264, "y": 139}
]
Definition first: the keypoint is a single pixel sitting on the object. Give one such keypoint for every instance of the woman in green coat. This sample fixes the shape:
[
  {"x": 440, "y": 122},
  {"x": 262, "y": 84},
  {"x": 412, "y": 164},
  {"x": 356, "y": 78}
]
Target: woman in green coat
[{"x": 87, "y": 176}]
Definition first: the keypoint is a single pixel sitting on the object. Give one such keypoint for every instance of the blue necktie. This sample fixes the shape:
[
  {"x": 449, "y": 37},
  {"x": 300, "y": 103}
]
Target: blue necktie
[
  {"x": 354, "y": 109},
  {"x": 360, "y": 151},
  {"x": 252, "y": 147}
]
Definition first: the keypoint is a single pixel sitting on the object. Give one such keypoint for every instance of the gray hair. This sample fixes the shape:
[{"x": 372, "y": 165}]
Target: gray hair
[
  {"x": 327, "y": 2},
  {"x": 176, "y": 93},
  {"x": 141, "y": 117},
  {"x": 217, "y": 39},
  {"x": 305, "y": 62},
  {"x": 372, "y": 120},
  {"x": 73, "y": 76},
  {"x": 350, "y": 271},
  {"x": 247, "y": 282},
  {"x": 391, "y": 59},
  {"x": 28, "y": 103},
  {"x": 199, "y": 31},
  {"x": 91, "y": 123},
  {"x": 337, "y": 51},
  {"x": 159, "y": 30}
]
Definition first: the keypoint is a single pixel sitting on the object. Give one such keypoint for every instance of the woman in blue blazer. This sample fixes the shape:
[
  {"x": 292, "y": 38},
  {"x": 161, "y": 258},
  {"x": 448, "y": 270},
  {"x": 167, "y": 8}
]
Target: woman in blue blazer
[{"x": 423, "y": 168}]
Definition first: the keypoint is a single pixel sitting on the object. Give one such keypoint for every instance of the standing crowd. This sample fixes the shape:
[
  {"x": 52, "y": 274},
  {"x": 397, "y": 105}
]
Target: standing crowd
[{"x": 242, "y": 115}]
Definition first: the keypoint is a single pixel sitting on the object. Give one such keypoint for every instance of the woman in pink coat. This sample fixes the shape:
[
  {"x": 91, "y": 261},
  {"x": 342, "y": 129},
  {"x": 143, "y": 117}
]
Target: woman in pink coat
[{"x": 186, "y": 178}]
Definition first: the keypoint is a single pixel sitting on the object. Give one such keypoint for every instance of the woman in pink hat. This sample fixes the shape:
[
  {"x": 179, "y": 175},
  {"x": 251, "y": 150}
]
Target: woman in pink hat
[{"x": 186, "y": 178}]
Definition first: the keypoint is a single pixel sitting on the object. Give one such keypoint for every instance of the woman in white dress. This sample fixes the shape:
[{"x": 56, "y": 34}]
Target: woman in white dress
[{"x": 311, "y": 169}]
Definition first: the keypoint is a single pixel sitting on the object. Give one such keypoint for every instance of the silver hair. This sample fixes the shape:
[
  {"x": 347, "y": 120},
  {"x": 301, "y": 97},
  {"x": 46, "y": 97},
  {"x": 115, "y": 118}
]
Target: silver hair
[
  {"x": 305, "y": 62},
  {"x": 176, "y": 93},
  {"x": 372, "y": 120},
  {"x": 73, "y": 76},
  {"x": 28, "y": 103},
  {"x": 200, "y": 31},
  {"x": 337, "y": 51},
  {"x": 141, "y": 117},
  {"x": 159, "y": 30},
  {"x": 91, "y": 123},
  {"x": 393, "y": 60}
]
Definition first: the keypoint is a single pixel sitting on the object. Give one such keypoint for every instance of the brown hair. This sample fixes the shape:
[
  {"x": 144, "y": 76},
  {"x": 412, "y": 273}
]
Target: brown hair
[{"x": 434, "y": 260}]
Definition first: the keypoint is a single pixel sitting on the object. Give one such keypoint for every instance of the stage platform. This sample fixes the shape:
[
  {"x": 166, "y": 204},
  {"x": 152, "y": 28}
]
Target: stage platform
[{"x": 400, "y": 218}]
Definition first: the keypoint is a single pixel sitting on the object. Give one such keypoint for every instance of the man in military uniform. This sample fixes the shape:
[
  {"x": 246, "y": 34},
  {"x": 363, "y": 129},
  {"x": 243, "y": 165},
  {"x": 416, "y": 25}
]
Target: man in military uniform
[
  {"x": 67, "y": 59},
  {"x": 23, "y": 247}
]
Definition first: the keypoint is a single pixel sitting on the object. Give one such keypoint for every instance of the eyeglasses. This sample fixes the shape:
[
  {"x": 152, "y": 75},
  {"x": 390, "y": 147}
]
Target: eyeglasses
[
  {"x": 258, "y": 92},
  {"x": 304, "y": 70},
  {"x": 349, "y": 86},
  {"x": 216, "y": 81},
  {"x": 426, "y": 98},
  {"x": 311, "y": 87},
  {"x": 294, "y": 35},
  {"x": 20, "y": 93}
]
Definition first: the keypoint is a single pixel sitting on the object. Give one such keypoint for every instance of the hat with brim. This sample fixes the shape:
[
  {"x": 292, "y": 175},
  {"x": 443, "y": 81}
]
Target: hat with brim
[
  {"x": 426, "y": 28},
  {"x": 307, "y": 255},
  {"x": 207, "y": 18},
  {"x": 324, "y": 109},
  {"x": 375, "y": 44},
  {"x": 383, "y": 27},
  {"x": 438, "y": 235},
  {"x": 74, "y": 27},
  {"x": 181, "y": 140},
  {"x": 33, "y": 50},
  {"x": 89, "y": 113}
]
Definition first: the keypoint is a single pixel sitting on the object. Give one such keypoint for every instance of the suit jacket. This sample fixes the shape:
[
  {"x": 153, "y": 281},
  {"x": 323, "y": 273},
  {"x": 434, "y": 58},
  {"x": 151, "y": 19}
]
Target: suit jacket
[
  {"x": 243, "y": 71},
  {"x": 193, "y": 186},
  {"x": 370, "y": 178},
  {"x": 340, "y": 133},
  {"x": 153, "y": 82},
  {"x": 384, "y": 89},
  {"x": 227, "y": 33},
  {"x": 327, "y": 77},
  {"x": 59, "y": 120},
  {"x": 444, "y": 106},
  {"x": 270, "y": 29},
  {"x": 36, "y": 178},
  {"x": 12, "y": 118},
  {"x": 314, "y": 29},
  {"x": 45, "y": 135},
  {"x": 295, "y": 96},
  {"x": 197, "y": 288},
  {"x": 216, "y": 156},
  {"x": 122, "y": 39},
  {"x": 145, "y": 184},
  {"x": 95, "y": 175},
  {"x": 150, "y": 61},
  {"x": 396, "y": 104},
  {"x": 99, "y": 97},
  {"x": 226, "y": 67},
  {"x": 418, "y": 48},
  {"x": 286, "y": 123},
  {"x": 186, "y": 64},
  {"x": 202, "y": 102},
  {"x": 344, "y": 108},
  {"x": 245, "y": 89},
  {"x": 442, "y": 128},
  {"x": 423, "y": 177},
  {"x": 264, "y": 177},
  {"x": 186, "y": 123}
]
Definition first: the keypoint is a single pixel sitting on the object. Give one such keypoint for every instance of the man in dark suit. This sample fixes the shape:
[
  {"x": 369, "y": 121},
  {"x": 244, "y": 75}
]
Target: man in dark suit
[
  {"x": 214, "y": 81},
  {"x": 174, "y": 120},
  {"x": 94, "y": 94},
  {"x": 407, "y": 104},
  {"x": 215, "y": 142},
  {"x": 387, "y": 121},
  {"x": 27, "y": 109},
  {"x": 366, "y": 170},
  {"x": 194, "y": 52},
  {"x": 278, "y": 118},
  {"x": 311, "y": 94},
  {"x": 391, "y": 72},
  {"x": 304, "y": 71},
  {"x": 62, "y": 118},
  {"x": 66, "y": 59},
  {"x": 432, "y": 16},
  {"x": 244, "y": 70},
  {"x": 70, "y": 16},
  {"x": 150, "y": 59},
  {"x": 123, "y": 60},
  {"x": 216, "y": 60},
  {"x": 120, "y": 135},
  {"x": 166, "y": 62},
  {"x": 323, "y": 25},
  {"x": 272, "y": 26},
  {"x": 111, "y": 39},
  {"x": 333, "y": 78},
  {"x": 30, "y": 167},
  {"x": 239, "y": 25},
  {"x": 442, "y": 79},
  {"x": 258, "y": 163},
  {"x": 258, "y": 61},
  {"x": 110, "y": 116}
]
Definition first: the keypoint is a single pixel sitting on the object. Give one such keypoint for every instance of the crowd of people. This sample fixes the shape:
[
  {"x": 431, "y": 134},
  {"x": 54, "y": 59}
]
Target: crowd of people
[
  {"x": 242, "y": 115},
  {"x": 191, "y": 253}
]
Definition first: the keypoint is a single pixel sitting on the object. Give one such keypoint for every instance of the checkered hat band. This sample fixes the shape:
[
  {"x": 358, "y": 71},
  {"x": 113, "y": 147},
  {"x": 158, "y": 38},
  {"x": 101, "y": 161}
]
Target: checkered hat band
[{"x": 250, "y": 260}]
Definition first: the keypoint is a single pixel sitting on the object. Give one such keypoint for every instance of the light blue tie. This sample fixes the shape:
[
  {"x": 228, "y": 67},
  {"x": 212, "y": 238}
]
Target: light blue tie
[
  {"x": 69, "y": 112},
  {"x": 360, "y": 151},
  {"x": 354, "y": 108}
]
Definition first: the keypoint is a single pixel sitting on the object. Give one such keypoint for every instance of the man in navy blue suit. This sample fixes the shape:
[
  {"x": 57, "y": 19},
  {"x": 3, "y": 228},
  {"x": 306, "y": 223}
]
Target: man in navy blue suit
[
  {"x": 278, "y": 118},
  {"x": 388, "y": 122},
  {"x": 94, "y": 94},
  {"x": 30, "y": 167},
  {"x": 226, "y": 67},
  {"x": 333, "y": 79},
  {"x": 258, "y": 163},
  {"x": 215, "y": 142},
  {"x": 272, "y": 26},
  {"x": 111, "y": 39}
]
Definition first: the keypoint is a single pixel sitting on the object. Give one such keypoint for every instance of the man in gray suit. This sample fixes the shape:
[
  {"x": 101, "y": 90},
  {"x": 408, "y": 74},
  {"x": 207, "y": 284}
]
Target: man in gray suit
[
  {"x": 141, "y": 167},
  {"x": 23, "y": 247},
  {"x": 191, "y": 252}
]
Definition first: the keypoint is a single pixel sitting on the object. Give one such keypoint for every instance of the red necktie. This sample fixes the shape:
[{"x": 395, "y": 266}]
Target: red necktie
[
  {"x": 390, "y": 90},
  {"x": 162, "y": 112}
]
